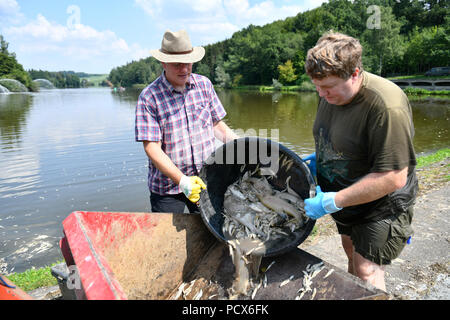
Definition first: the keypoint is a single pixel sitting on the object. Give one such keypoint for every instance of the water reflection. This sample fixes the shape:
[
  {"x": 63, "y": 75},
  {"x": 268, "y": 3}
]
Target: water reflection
[
  {"x": 74, "y": 151},
  {"x": 292, "y": 114},
  {"x": 14, "y": 109},
  {"x": 431, "y": 120},
  {"x": 129, "y": 97}
]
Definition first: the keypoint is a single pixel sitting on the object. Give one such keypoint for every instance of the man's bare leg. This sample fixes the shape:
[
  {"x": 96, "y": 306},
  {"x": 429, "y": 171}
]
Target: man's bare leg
[
  {"x": 347, "y": 244},
  {"x": 369, "y": 271}
]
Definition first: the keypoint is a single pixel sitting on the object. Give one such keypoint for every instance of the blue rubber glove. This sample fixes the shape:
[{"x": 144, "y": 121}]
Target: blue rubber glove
[
  {"x": 322, "y": 204},
  {"x": 312, "y": 163}
]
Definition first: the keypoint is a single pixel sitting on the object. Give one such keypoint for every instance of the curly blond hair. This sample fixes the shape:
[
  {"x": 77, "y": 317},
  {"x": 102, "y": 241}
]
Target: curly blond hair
[{"x": 335, "y": 54}]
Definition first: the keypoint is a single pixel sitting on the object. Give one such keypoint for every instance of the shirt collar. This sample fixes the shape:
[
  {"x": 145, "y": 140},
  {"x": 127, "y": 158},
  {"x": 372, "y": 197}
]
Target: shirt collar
[{"x": 190, "y": 85}]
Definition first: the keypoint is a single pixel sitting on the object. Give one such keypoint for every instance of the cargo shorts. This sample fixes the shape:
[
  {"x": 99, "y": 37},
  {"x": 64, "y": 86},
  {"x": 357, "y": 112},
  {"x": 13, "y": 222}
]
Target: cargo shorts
[{"x": 381, "y": 241}]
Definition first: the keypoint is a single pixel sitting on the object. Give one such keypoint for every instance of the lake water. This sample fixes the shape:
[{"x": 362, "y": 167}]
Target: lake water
[{"x": 69, "y": 150}]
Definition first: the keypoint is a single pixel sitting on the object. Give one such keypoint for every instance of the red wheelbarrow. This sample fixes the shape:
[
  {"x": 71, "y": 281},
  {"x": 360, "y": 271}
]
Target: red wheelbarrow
[
  {"x": 9, "y": 291},
  {"x": 156, "y": 256},
  {"x": 135, "y": 248}
]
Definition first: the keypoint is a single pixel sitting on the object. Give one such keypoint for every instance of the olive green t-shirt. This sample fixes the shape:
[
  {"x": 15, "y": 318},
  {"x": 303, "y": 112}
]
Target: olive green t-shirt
[{"x": 373, "y": 133}]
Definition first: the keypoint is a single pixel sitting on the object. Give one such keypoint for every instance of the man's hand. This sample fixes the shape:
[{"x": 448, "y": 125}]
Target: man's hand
[
  {"x": 322, "y": 204},
  {"x": 312, "y": 163},
  {"x": 224, "y": 133},
  {"x": 191, "y": 187}
]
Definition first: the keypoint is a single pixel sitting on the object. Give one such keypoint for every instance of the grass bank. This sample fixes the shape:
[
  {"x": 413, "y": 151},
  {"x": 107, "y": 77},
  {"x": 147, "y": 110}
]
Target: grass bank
[
  {"x": 425, "y": 92},
  {"x": 433, "y": 158},
  {"x": 304, "y": 87},
  {"x": 34, "y": 278},
  {"x": 433, "y": 171},
  {"x": 419, "y": 77},
  {"x": 95, "y": 80}
]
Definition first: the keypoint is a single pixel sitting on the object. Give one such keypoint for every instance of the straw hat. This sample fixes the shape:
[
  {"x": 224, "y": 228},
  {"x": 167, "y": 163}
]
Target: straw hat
[{"x": 176, "y": 47}]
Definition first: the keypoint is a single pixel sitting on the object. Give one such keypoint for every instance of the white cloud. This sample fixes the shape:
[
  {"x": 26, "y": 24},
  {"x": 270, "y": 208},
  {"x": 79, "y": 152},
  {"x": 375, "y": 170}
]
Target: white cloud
[
  {"x": 236, "y": 7},
  {"x": 9, "y": 7},
  {"x": 266, "y": 12},
  {"x": 152, "y": 7},
  {"x": 42, "y": 29},
  {"x": 204, "y": 6},
  {"x": 78, "y": 47},
  {"x": 137, "y": 52},
  {"x": 219, "y": 27},
  {"x": 9, "y": 12},
  {"x": 210, "y": 21},
  {"x": 81, "y": 40}
]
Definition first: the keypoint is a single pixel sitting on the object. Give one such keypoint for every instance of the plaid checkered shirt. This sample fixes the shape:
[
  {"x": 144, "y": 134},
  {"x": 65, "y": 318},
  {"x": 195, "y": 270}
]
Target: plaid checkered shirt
[{"x": 183, "y": 122}]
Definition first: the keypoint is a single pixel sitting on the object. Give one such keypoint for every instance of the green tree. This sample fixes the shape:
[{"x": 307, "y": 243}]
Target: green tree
[
  {"x": 140, "y": 72},
  {"x": 3, "y": 45},
  {"x": 287, "y": 73},
  {"x": 236, "y": 80},
  {"x": 436, "y": 12},
  {"x": 223, "y": 79},
  {"x": 383, "y": 44},
  {"x": 11, "y": 69},
  {"x": 203, "y": 69},
  {"x": 426, "y": 49},
  {"x": 299, "y": 62}
]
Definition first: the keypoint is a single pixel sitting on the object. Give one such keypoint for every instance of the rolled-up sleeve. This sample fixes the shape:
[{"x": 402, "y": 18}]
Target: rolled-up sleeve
[{"x": 147, "y": 127}]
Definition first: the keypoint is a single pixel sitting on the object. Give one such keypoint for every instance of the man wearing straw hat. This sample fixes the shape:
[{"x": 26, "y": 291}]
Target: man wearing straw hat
[{"x": 178, "y": 117}]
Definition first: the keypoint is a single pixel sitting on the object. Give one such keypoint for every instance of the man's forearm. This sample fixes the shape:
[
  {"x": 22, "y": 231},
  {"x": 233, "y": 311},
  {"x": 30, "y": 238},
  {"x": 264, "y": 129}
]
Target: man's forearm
[
  {"x": 223, "y": 132},
  {"x": 162, "y": 161},
  {"x": 372, "y": 187}
]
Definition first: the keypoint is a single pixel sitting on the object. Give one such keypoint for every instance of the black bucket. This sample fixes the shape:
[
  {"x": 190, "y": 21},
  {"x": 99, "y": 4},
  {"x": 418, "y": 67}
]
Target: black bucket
[{"x": 232, "y": 160}]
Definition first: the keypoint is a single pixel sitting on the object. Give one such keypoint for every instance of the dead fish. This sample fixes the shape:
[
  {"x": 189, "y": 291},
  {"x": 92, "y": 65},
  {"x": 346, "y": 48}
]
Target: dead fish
[
  {"x": 237, "y": 193},
  {"x": 287, "y": 163},
  {"x": 313, "y": 294},
  {"x": 279, "y": 205},
  {"x": 255, "y": 248},
  {"x": 261, "y": 185},
  {"x": 329, "y": 273},
  {"x": 198, "y": 295},
  {"x": 256, "y": 170},
  {"x": 188, "y": 290},
  {"x": 289, "y": 189},
  {"x": 256, "y": 290},
  {"x": 289, "y": 197},
  {"x": 285, "y": 282},
  {"x": 299, "y": 297},
  {"x": 269, "y": 266},
  {"x": 316, "y": 272},
  {"x": 314, "y": 267},
  {"x": 246, "y": 220},
  {"x": 180, "y": 291}
]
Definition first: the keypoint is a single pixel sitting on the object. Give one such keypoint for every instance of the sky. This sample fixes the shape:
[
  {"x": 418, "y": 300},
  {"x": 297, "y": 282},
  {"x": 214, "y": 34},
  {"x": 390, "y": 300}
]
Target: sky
[{"x": 94, "y": 36}]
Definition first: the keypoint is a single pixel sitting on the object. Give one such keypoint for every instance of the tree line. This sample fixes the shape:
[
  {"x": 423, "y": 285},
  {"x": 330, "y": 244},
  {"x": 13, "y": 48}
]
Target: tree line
[
  {"x": 399, "y": 37},
  {"x": 60, "y": 79},
  {"x": 11, "y": 69},
  {"x": 136, "y": 73}
]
